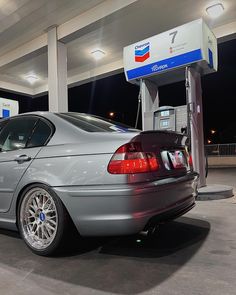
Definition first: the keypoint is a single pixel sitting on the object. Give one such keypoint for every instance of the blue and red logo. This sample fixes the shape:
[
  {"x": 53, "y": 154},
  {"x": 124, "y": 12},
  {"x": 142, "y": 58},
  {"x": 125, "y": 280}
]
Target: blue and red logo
[{"x": 142, "y": 52}]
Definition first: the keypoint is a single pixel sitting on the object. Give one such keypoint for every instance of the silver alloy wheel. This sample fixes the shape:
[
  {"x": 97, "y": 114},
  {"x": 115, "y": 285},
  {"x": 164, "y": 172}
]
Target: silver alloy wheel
[{"x": 38, "y": 218}]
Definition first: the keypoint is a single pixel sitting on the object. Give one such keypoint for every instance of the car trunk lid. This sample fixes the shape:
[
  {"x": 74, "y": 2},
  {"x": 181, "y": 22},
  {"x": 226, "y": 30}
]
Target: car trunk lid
[{"x": 171, "y": 151}]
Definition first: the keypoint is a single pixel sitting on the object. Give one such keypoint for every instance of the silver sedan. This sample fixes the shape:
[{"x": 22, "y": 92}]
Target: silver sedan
[{"x": 70, "y": 170}]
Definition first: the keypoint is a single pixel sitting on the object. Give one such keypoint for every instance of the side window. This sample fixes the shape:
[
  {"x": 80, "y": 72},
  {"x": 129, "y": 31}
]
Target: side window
[
  {"x": 16, "y": 133},
  {"x": 2, "y": 124},
  {"x": 40, "y": 134}
]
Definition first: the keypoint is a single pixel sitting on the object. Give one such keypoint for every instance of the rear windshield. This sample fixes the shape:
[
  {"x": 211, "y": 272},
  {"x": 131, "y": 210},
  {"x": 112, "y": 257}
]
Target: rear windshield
[{"x": 92, "y": 123}]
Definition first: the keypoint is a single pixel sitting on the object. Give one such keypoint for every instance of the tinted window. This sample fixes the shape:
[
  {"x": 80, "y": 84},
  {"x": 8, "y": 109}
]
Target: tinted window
[
  {"x": 40, "y": 134},
  {"x": 95, "y": 124},
  {"x": 16, "y": 133},
  {"x": 1, "y": 126}
]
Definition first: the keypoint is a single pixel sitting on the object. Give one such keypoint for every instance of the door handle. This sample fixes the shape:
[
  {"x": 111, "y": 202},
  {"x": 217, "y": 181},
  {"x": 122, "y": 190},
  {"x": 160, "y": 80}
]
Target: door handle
[{"x": 23, "y": 158}]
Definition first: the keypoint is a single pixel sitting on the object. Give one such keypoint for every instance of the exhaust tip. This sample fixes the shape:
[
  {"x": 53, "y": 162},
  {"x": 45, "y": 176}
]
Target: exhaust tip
[{"x": 150, "y": 231}]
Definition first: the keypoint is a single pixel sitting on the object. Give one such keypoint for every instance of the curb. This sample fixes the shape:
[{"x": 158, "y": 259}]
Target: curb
[{"x": 214, "y": 192}]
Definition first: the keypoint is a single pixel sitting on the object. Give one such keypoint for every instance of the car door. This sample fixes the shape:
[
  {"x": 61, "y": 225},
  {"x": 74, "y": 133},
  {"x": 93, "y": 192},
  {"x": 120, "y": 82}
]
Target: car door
[{"x": 15, "y": 156}]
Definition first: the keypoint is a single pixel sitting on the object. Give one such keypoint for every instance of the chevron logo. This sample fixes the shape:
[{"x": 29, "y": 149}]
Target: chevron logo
[{"x": 142, "y": 52}]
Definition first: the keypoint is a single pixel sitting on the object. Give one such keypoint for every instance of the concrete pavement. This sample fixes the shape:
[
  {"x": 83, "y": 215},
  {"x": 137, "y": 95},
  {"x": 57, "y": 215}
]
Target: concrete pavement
[{"x": 196, "y": 254}]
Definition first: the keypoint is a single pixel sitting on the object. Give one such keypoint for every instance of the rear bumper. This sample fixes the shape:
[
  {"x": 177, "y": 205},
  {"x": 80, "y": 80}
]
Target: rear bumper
[{"x": 128, "y": 209}]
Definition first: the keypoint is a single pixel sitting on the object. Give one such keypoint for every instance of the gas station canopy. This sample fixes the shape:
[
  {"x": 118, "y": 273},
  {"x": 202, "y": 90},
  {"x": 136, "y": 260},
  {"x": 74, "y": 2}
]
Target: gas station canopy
[{"x": 103, "y": 27}]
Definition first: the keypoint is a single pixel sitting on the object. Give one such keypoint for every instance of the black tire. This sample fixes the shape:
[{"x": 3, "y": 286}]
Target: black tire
[{"x": 65, "y": 228}]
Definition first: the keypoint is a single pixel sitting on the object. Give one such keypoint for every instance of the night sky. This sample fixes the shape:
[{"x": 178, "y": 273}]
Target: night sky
[{"x": 115, "y": 94}]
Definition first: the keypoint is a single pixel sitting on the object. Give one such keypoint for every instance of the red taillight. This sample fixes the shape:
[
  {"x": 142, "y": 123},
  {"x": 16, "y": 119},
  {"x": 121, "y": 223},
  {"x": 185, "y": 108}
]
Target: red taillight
[
  {"x": 190, "y": 161},
  {"x": 130, "y": 158}
]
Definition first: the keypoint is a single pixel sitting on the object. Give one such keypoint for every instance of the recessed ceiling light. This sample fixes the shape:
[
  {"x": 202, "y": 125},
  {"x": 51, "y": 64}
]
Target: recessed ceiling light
[
  {"x": 98, "y": 54},
  {"x": 215, "y": 10},
  {"x": 31, "y": 79}
]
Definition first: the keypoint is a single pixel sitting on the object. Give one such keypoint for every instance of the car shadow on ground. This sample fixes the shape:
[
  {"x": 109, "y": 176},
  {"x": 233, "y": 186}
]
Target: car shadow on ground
[
  {"x": 121, "y": 265},
  {"x": 168, "y": 239}
]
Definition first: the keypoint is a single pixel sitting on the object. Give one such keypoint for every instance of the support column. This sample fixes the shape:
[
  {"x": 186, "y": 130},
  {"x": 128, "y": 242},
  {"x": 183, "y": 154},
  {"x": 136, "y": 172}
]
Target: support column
[
  {"x": 196, "y": 123},
  {"x": 57, "y": 73},
  {"x": 150, "y": 103}
]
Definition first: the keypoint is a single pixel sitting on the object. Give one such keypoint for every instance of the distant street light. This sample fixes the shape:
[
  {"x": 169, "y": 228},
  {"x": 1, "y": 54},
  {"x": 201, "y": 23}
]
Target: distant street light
[
  {"x": 118, "y": 116},
  {"x": 213, "y": 131},
  {"x": 208, "y": 141}
]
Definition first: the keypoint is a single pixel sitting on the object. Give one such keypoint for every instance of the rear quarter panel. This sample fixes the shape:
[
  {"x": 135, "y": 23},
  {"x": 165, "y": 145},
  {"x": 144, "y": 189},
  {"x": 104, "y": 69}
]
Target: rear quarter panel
[{"x": 72, "y": 170}]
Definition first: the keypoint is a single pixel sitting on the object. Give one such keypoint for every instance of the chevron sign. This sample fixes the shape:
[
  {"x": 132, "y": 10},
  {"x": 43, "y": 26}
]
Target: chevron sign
[{"x": 142, "y": 52}]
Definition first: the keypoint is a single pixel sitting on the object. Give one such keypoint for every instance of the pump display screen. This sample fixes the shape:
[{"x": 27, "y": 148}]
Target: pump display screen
[
  {"x": 165, "y": 113},
  {"x": 164, "y": 123}
]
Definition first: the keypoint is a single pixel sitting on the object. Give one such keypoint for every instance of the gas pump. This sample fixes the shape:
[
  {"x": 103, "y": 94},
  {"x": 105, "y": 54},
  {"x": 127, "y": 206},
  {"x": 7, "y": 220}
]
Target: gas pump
[
  {"x": 171, "y": 118},
  {"x": 183, "y": 53}
]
